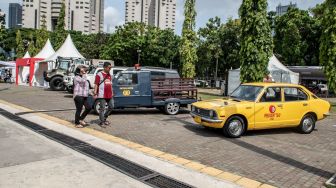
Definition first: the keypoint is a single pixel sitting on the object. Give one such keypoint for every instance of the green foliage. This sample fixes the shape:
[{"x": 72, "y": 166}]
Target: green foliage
[
  {"x": 42, "y": 34},
  {"x": 60, "y": 34},
  {"x": 158, "y": 47},
  {"x": 328, "y": 42},
  {"x": 20, "y": 49},
  {"x": 230, "y": 42},
  {"x": 31, "y": 46},
  {"x": 188, "y": 48},
  {"x": 296, "y": 38},
  {"x": 256, "y": 40},
  {"x": 210, "y": 41}
]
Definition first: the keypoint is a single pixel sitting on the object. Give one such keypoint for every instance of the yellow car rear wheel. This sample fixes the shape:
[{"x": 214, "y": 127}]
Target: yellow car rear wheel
[{"x": 307, "y": 124}]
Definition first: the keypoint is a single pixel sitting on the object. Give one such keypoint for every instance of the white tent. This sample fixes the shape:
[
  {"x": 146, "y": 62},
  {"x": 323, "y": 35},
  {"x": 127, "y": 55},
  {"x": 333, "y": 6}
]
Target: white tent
[
  {"x": 27, "y": 55},
  {"x": 67, "y": 50},
  {"x": 23, "y": 74},
  {"x": 40, "y": 67},
  {"x": 279, "y": 72},
  {"x": 46, "y": 51}
]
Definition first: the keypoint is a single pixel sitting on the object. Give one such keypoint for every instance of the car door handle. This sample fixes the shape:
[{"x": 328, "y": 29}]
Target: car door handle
[
  {"x": 280, "y": 105},
  {"x": 305, "y": 104}
]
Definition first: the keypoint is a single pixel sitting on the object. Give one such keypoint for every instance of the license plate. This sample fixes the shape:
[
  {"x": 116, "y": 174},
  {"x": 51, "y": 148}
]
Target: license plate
[{"x": 198, "y": 119}]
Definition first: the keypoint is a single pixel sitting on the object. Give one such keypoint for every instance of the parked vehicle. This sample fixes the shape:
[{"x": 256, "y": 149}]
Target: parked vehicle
[
  {"x": 152, "y": 87},
  {"x": 63, "y": 67},
  {"x": 93, "y": 71},
  {"x": 257, "y": 106},
  {"x": 201, "y": 83}
]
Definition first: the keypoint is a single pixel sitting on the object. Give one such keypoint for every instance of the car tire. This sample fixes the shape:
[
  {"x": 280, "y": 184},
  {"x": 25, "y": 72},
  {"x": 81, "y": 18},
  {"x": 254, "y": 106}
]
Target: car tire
[
  {"x": 172, "y": 108},
  {"x": 234, "y": 127},
  {"x": 307, "y": 124},
  {"x": 56, "y": 84}
]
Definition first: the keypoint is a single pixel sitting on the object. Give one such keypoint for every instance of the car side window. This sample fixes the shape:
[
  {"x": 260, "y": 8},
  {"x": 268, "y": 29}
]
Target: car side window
[
  {"x": 127, "y": 79},
  {"x": 271, "y": 94},
  {"x": 294, "y": 94}
]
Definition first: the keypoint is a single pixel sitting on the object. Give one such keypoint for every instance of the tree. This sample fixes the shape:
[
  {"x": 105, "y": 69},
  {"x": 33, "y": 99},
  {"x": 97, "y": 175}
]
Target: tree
[
  {"x": 230, "y": 34},
  {"x": 211, "y": 42},
  {"x": 188, "y": 48},
  {"x": 328, "y": 42},
  {"x": 42, "y": 34},
  {"x": 256, "y": 40},
  {"x": 31, "y": 47},
  {"x": 60, "y": 33},
  {"x": 122, "y": 45},
  {"x": 20, "y": 49},
  {"x": 296, "y": 38}
]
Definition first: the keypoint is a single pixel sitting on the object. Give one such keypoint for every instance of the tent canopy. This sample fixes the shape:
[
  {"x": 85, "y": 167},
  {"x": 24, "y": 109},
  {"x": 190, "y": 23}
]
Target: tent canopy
[
  {"x": 67, "y": 50},
  {"x": 27, "y": 55},
  {"x": 46, "y": 51}
]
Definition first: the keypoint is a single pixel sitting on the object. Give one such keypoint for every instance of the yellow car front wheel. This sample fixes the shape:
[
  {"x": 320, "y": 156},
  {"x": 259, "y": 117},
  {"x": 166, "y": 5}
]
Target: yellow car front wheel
[
  {"x": 307, "y": 124},
  {"x": 234, "y": 127}
]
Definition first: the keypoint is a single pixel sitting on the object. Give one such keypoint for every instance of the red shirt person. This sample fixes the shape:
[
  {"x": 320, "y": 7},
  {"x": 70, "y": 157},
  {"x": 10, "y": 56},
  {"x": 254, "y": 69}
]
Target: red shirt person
[{"x": 103, "y": 91}]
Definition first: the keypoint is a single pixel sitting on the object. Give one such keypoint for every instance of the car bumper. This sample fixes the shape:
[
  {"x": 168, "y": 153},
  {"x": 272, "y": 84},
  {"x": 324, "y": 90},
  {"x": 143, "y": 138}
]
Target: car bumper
[
  {"x": 204, "y": 119},
  {"x": 326, "y": 114}
]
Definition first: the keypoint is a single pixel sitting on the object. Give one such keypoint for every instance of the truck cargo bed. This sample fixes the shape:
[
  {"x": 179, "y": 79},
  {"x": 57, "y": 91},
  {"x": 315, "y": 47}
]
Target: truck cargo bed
[{"x": 180, "y": 88}]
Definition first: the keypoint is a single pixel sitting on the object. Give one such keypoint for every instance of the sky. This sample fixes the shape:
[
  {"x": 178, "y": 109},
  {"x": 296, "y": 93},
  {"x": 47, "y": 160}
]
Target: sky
[{"x": 114, "y": 14}]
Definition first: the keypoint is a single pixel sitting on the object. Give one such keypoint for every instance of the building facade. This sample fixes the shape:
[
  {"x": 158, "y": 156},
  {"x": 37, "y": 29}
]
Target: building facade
[
  {"x": 14, "y": 15},
  {"x": 281, "y": 10},
  {"x": 159, "y": 13},
  {"x": 86, "y": 16}
]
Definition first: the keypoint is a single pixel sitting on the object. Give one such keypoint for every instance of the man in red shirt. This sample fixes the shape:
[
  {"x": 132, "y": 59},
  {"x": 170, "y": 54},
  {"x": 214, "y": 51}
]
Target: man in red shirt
[{"x": 104, "y": 93}]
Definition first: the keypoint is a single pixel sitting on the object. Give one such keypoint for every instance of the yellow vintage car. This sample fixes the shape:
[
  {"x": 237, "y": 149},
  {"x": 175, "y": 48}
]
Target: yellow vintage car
[{"x": 256, "y": 106}]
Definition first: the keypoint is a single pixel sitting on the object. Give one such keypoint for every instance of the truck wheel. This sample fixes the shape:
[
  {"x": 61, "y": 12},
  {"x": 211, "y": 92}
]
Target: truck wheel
[
  {"x": 172, "y": 108},
  {"x": 56, "y": 83},
  {"x": 96, "y": 107},
  {"x": 234, "y": 127}
]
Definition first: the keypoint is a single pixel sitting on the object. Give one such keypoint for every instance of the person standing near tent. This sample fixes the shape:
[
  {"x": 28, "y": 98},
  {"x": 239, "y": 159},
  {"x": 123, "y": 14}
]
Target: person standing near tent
[
  {"x": 103, "y": 92},
  {"x": 81, "y": 93}
]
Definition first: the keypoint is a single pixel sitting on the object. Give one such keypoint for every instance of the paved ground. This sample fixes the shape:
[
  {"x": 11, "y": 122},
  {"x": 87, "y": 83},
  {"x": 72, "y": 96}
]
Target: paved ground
[
  {"x": 30, "y": 160},
  {"x": 281, "y": 158}
]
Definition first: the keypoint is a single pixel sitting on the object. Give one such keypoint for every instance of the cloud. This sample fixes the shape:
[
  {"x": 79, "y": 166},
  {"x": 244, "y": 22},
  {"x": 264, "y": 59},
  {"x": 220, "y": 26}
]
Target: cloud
[{"x": 112, "y": 18}]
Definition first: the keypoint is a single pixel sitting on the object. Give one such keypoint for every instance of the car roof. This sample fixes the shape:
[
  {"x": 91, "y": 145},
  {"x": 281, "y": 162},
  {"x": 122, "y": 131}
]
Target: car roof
[{"x": 268, "y": 84}]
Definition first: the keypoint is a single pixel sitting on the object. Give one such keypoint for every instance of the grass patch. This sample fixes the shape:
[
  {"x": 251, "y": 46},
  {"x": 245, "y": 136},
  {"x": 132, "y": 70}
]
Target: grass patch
[{"x": 206, "y": 96}]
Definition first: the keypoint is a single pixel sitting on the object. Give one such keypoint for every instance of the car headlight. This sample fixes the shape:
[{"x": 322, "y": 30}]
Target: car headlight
[{"x": 211, "y": 113}]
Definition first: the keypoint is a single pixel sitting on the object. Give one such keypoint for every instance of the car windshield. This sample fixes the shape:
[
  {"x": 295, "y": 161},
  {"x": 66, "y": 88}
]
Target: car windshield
[{"x": 246, "y": 92}]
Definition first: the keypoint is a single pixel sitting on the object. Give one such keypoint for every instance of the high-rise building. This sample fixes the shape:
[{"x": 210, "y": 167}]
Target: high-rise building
[
  {"x": 159, "y": 13},
  {"x": 15, "y": 15},
  {"x": 2, "y": 19},
  {"x": 80, "y": 15},
  {"x": 281, "y": 10}
]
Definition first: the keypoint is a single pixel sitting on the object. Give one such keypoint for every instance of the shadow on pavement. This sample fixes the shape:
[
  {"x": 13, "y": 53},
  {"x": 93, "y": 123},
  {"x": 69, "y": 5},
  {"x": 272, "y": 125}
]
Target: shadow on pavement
[{"x": 283, "y": 159}]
